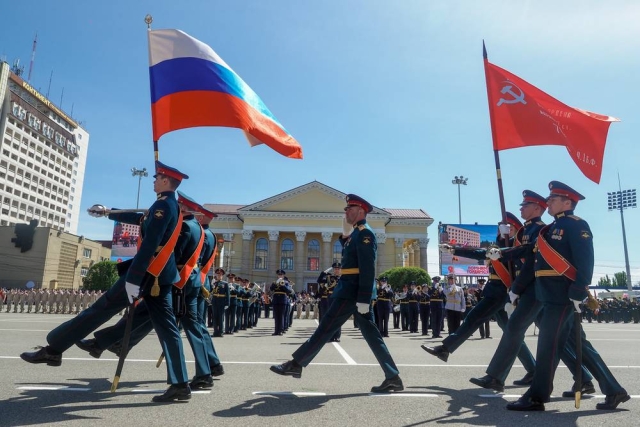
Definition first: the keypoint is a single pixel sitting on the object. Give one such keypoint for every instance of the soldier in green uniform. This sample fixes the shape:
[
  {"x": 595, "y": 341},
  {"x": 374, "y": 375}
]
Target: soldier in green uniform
[
  {"x": 220, "y": 301},
  {"x": 564, "y": 268},
  {"x": 158, "y": 226},
  {"x": 353, "y": 296}
]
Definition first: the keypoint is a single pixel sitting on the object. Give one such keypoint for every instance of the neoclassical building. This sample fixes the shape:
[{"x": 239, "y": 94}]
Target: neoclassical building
[{"x": 299, "y": 231}]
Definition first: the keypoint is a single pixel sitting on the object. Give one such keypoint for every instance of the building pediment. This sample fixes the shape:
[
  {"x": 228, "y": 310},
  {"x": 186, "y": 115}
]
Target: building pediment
[{"x": 312, "y": 197}]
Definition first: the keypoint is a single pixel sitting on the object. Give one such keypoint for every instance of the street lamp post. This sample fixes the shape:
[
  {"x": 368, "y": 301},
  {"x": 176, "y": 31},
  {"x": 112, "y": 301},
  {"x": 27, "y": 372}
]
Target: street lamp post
[
  {"x": 139, "y": 173},
  {"x": 459, "y": 180},
  {"x": 622, "y": 200}
]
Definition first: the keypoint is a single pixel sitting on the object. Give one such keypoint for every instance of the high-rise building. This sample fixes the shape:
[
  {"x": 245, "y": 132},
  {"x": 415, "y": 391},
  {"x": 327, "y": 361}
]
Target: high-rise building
[{"x": 43, "y": 153}]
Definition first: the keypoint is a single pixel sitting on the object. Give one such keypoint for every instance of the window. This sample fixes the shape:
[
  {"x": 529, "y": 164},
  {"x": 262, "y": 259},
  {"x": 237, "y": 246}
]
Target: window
[
  {"x": 313, "y": 255},
  {"x": 86, "y": 253},
  {"x": 84, "y": 271},
  {"x": 286, "y": 254},
  {"x": 337, "y": 251},
  {"x": 262, "y": 250}
]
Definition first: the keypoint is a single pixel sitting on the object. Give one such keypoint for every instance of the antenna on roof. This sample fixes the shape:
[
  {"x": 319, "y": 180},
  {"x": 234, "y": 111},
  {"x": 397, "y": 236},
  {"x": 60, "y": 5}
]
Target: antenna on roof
[{"x": 33, "y": 56}]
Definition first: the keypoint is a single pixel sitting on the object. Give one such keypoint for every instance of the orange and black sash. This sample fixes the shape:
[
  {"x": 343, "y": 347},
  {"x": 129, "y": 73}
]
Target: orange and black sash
[
  {"x": 554, "y": 259},
  {"x": 502, "y": 272},
  {"x": 188, "y": 267},
  {"x": 207, "y": 265},
  {"x": 159, "y": 261}
]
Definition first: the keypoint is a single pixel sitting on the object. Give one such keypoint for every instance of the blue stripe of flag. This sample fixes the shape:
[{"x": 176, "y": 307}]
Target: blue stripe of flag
[{"x": 192, "y": 74}]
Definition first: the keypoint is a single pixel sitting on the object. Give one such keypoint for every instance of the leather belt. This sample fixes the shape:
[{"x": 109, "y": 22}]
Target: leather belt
[
  {"x": 548, "y": 273},
  {"x": 436, "y": 300},
  {"x": 349, "y": 271},
  {"x": 219, "y": 295},
  {"x": 494, "y": 277}
]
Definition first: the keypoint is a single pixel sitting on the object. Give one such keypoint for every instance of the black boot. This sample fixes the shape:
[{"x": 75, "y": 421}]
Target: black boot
[
  {"x": 43, "y": 355},
  {"x": 390, "y": 384},
  {"x": 489, "y": 382},
  {"x": 290, "y": 367},
  {"x": 440, "y": 352},
  {"x": 174, "y": 392},
  {"x": 91, "y": 347},
  {"x": 587, "y": 388},
  {"x": 202, "y": 382}
]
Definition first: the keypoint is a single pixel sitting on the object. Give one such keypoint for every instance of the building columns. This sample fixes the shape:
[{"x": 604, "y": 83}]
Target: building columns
[
  {"x": 416, "y": 254},
  {"x": 412, "y": 258},
  {"x": 300, "y": 263},
  {"x": 381, "y": 239},
  {"x": 272, "y": 258},
  {"x": 399, "y": 254},
  {"x": 247, "y": 239},
  {"x": 327, "y": 250},
  {"x": 423, "y": 243}
]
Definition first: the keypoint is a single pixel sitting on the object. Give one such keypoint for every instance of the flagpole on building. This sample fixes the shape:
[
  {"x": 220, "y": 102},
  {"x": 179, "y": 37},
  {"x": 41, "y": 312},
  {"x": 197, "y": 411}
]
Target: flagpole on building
[
  {"x": 148, "y": 20},
  {"x": 496, "y": 156}
]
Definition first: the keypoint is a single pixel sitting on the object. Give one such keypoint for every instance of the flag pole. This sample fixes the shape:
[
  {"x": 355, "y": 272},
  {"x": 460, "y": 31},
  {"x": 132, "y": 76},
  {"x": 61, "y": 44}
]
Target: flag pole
[
  {"x": 496, "y": 156},
  {"x": 148, "y": 19}
]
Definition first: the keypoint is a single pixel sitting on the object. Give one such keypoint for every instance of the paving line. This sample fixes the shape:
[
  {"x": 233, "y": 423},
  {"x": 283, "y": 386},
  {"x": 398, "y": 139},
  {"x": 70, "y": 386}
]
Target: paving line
[
  {"x": 288, "y": 393},
  {"x": 54, "y": 388}
]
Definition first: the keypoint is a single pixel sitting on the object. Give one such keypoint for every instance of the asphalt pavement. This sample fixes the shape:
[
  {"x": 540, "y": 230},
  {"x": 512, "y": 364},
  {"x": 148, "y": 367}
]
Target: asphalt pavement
[{"x": 333, "y": 391}]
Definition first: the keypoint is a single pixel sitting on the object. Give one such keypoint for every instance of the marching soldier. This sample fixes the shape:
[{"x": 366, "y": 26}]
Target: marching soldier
[
  {"x": 564, "y": 269},
  {"x": 495, "y": 292},
  {"x": 436, "y": 297},
  {"x": 144, "y": 277},
  {"x": 385, "y": 296},
  {"x": 230, "y": 313},
  {"x": 221, "y": 301},
  {"x": 352, "y": 296},
  {"x": 328, "y": 283},
  {"x": 279, "y": 291},
  {"x": 414, "y": 308},
  {"x": 425, "y": 305},
  {"x": 404, "y": 308}
]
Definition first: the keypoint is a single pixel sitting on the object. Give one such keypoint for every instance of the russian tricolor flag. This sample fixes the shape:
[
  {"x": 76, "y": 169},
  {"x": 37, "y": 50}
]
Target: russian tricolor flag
[{"x": 192, "y": 86}]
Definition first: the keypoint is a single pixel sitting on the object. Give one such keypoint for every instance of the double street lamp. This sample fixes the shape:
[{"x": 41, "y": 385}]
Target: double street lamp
[
  {"x": 459, "y": 180},
  {"x": 620, "y": 200},
  {"x": 139, "y": 173}
]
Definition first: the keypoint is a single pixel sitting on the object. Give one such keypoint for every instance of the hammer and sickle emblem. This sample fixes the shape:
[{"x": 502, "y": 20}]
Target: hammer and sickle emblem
[{"x": 517, "y": 97}]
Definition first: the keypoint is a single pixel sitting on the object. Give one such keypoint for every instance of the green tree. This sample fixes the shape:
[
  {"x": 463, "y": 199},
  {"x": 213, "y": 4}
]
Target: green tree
[
  {"x": 620, "y": 280},
  {"x": 400, "y": 276},
  {"x": 605, "y": 282},
  {"x": 100, "y": 276}
]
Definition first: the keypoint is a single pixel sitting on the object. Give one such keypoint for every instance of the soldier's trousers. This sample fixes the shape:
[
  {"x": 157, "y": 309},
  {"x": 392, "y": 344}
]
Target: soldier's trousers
[
  {"x": 436, "y": 319},
  {"x": 404, "y": 316},
  {"x": 230, "y": 319},
  {"x": 424, "y": 317},
  {"x": 338, "y": 313},
  {"x": 384, "y": 309},
  {"x": 218, "y": 316},
  {"x": 414, "y": 313},
  {"x": 112, "y": 302}
]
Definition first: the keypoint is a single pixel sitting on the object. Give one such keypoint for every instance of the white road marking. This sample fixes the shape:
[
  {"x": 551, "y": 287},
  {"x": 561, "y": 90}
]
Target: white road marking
[
  {"x": 56, "y": 388},
  {"x": 344, "y": 354},
  {"x": 401, "y": 394},
  {"x": 288, "y": 393},
  {"x": 590, "y": 396}
]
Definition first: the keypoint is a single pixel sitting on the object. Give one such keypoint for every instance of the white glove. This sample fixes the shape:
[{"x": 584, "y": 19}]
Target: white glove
[
  {"x": 446, "y": 248},
  {"x": 576, "y": 304},
  {"x": 226, "y": 306},
  {"x": 494, "y": 254},
  {"x": 363, "y": 307},
  {"x": 513, "y": 297},
  {"x": 328, "y": 270},
  {"x": 347, "y": 228},
  {"x": 504, "y": 229},
  {"x": 133, "y": 291},
  {"x": 98, "y": 211}
]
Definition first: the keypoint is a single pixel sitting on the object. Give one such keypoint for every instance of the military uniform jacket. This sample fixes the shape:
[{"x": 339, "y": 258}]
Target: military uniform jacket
[
  {"x": 358, "y": 251},
  {"x": 494, "y": 288},
  {"x": 156, "y": 227},
  {"x": 233, "y": 295},
  {"x": 438, "y": 296},
  {"x": 280, "y": 292},
  {"x": 385, "y": 294},
  {"x": 221, "y": 293},
  {"x": 208, "y": 247},
  {"x": 523, "y": 252},
  {"x": 571, "y": 237},
  {"x": 187, "y": 244}
]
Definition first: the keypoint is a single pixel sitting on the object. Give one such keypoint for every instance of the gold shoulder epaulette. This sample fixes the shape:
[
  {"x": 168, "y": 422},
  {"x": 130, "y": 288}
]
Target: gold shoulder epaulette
[
  {"x": 361, "y": 227},
  {"x": 162, "y": 198},
  {"x": 577, "y": 218}
]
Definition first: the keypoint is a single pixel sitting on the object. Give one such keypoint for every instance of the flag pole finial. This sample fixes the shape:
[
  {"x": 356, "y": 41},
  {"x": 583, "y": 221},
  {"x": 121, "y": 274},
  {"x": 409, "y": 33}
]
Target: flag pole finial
[{"x": 148, "y": 20}]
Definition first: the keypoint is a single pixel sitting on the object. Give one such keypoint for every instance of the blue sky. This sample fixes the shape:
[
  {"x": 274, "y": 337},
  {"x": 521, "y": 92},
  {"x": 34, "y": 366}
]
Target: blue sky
[{"x": 387, "y": 99}]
